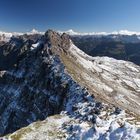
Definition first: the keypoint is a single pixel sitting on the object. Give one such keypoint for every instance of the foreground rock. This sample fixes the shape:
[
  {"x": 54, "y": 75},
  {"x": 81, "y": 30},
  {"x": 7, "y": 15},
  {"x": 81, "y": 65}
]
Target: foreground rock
[{"x": 108, "y": 124}]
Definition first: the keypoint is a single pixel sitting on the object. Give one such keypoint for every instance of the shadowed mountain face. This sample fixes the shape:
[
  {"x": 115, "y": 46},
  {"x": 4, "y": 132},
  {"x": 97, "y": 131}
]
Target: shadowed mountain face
[
  {"x": 32, "y": 84},
  {"x": 15, "y": 50},
  {"x": 120, "y": 47},
  {"x": 45, "y": 75}
]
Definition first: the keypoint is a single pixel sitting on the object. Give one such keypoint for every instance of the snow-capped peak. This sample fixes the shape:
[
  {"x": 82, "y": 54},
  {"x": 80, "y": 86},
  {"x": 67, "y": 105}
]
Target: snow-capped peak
[
  {"x": 34, "y": 31},
  {"x": 71, "y": 32},
  {"x": 120, "y": 77}
]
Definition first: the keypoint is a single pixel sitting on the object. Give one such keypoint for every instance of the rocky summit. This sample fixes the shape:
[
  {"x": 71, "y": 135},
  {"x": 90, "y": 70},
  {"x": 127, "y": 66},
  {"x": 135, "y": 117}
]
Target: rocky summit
[{"x": 51, "y": 90}]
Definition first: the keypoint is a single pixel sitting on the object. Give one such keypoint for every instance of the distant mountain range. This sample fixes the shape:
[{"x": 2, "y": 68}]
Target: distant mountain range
[
  {"x": 6, "y": 36},
  {"x": 73, "y": 33},
  {"x": 123, "y": 47},
  {"x": 121, "y": 32}
]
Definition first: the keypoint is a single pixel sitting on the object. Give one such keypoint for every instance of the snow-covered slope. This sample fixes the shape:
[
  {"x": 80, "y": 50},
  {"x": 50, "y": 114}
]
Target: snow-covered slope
[
  {"x": 115, "y": 81},
  {"x": 83, "y": 94},
  {"x": 108, "y": 126}
]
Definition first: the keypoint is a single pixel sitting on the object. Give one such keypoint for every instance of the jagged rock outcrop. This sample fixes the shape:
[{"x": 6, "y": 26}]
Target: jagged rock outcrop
[
  {"x": 15, "y": 50},
  {"x": 57, "y": 41},
  {"x": 34, "y": 86}
]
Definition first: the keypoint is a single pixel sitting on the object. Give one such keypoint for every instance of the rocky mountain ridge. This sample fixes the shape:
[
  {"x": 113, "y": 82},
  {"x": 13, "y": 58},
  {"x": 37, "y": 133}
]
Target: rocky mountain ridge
[{"x": 40, "y": 82}]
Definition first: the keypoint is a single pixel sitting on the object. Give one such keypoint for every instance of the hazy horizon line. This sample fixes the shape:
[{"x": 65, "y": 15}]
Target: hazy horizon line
[{"x": 73, "y": 32}]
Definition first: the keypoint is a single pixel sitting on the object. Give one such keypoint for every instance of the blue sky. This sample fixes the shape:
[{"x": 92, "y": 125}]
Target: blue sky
[{"x": 79, "y": 15}]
